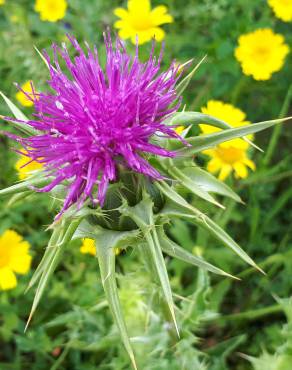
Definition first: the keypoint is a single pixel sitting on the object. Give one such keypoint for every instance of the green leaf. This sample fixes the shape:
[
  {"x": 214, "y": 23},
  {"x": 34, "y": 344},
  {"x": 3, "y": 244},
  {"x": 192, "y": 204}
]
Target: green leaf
[
  {"x": 183, "y": 84},
  {"x": 16, "y": 198},
  {"x": 106, "y": 259},
  {"x": 44, "y": 59},
  {"x": 142, "y": 214},
  {"x": 192, "y": 186},
  {"x": 115, "y": 239},
  {"x": 47, "y": 257},
  {"x": 184, "y": 209},
  {"x": 209, "y": 183},
  {"x": 23, "y": 186},
  {"x": 28, "y": 130},
  {"x": 204, "y": 142},
  {"x": 50, "y": 262},
  {"x": 196, "y": 118},
  {"x": 174, "y": 250}
]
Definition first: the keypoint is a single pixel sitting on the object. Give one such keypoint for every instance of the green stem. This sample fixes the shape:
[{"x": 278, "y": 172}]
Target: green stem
[
  {"x": 237, "y": 89},
  {"x": 252, "y": 314},
  {"x": 61, "y": 358},
  {"x": 277, "y": 129}
]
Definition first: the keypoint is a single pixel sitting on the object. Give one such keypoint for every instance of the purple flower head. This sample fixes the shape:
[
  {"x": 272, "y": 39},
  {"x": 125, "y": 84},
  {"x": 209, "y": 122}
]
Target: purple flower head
[{"x": 98, "y": 119}]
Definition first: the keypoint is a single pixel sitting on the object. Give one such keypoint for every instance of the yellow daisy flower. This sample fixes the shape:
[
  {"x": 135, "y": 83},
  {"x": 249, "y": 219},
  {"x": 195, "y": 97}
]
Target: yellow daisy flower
[
  {"x": 229, "y": 114},
  {"x": 24, "y": 170},
  {"x": 51, "y": 10},
  {"x": 2, "y": 2},
  {"x": 88, "y": 247},
  {"x": 22, "y": 98},
  {"x": 142, "y": 21},
  {"x": 261, "y": 53},
  {"x": 282, "y": 9},
  {"x": 225, "y": 160},
  {"x": 14, "y": 258},
  {"x": 231, "y": 155}
]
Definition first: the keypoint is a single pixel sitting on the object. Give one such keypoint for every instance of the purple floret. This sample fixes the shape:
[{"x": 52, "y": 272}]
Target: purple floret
[{"x": 98, "y": 119}]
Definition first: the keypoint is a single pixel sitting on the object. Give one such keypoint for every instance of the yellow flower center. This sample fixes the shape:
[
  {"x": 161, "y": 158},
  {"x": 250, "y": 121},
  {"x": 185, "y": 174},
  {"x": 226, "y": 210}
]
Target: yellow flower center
[
  {"x": 285, "y": 2},
  {"x": 229, "y": 155},
  {"x": 261, "y": 54},
  {"x": 142, "y": 23},
  {"x": 52, "y": 6},
  {"x": 4, "y": 257}
]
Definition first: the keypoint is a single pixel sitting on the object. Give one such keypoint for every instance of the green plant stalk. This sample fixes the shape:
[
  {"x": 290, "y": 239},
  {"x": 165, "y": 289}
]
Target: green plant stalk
[
  {"x": 250, "y": 315},
  {"x": 277, "y": 129}
]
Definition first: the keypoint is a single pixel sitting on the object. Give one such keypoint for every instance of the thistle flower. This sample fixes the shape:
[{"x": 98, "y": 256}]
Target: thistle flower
[
  {"x": 99, "y": 120},
  {"x": 110, "y": 136}
]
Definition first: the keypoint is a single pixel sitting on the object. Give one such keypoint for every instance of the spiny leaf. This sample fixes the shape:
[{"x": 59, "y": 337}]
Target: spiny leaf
[
  {"x": 198, "y": 118},
  {"x": 106, "y": 259},
  {"x": 192, "y": 186},
  {"x": 47, "y": 257},
  {"x": 23, "y": 186},
  {"x": 209, "y": 183},
  {"x": 204, "y": 142},
  {"x": 46, "y": 274},
  {"x": 174, "y": 250},
  {"x": 183, "y": 84},
  {"x": 44, "y": 59},
  {"x": 50, "y": 262},
  {"x": 18, "y": 197},
  {"x": 28, "y": 130},
  {"x": 200, "y": 219},
  {"x": 142, "y": 214},
  {"x": 115, "y": 239}
]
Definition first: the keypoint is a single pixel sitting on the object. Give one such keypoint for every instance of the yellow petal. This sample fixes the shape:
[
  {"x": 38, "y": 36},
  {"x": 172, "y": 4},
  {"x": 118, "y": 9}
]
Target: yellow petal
[
  {"x": 225, "y": 171},
  {"x": 121, "y": 13},
  {"x": 10, "y": 238},
  {"x": 240, "y": 170},
  {"x": 143, "y": 36},
  {"x": 88, "y": 247},
  {"x": 20, "y": 263},
  {"x": 127, "y": 32},
  {"x": 7, "y": 279},
  {"x": 179, "y": 129},
  {"x": 209, "y": 152},
  {"x": 158, "y": 34},
  {"x": 249, "y": 163},
  {"x": 139, "y": 6},
  {"x": 22, "y": 98},
  {"x": 214, "y": 165},
  {"x": 159, "y": 15}
]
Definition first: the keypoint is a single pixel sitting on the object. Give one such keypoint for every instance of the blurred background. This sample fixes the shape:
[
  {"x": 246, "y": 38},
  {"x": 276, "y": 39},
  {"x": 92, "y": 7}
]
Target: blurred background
[{"x": 225, "y": 324}]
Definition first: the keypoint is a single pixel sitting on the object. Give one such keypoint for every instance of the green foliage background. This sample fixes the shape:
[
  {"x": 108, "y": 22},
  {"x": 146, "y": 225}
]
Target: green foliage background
[{"x": 225, "y": 324}]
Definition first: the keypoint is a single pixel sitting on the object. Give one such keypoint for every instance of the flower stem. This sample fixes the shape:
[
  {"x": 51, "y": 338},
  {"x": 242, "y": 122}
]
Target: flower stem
[
  {"x": 277, "y": 129},
  {"x": 252, "y": 314}
]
